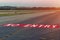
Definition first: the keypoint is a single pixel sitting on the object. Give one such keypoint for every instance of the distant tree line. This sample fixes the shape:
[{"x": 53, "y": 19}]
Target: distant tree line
[
  {"x": 7, "y": 8},
  {"x": 27, "y": 8}
]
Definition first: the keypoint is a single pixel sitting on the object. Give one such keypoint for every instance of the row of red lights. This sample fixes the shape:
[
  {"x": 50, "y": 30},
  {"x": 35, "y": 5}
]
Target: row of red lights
[{"x": 31, "y": 25}]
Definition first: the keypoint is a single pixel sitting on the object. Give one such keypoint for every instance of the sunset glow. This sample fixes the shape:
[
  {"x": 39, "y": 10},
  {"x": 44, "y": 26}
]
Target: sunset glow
[{"x": 44, "y": 3}]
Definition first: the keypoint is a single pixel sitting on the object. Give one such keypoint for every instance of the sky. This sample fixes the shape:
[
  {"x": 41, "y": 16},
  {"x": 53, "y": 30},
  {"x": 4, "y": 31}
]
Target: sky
[{"x": 31, "y": 3}]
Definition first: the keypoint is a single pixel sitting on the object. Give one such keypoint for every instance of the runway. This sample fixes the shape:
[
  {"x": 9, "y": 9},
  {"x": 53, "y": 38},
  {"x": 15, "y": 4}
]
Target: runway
[{"x": 18, "y": 33}]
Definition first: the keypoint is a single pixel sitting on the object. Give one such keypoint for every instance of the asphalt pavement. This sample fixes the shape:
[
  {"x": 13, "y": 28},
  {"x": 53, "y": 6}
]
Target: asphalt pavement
[
  {"x": 21, "y": 18},
  {"x": 18, "y": 33},
  {"x": 53, "y": 18}
]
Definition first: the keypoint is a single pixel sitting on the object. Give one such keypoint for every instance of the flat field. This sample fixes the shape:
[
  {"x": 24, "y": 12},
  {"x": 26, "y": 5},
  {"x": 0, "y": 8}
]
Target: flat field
[{"x": 19, "y": 12}]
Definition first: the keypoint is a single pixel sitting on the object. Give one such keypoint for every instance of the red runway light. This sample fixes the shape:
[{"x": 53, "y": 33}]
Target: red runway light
[{"x": 32, "y": 25}]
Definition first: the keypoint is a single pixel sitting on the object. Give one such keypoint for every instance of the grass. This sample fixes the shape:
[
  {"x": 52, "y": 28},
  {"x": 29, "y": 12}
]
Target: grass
[
  {"x": 18, "y": 12},
  {"x": 14, "y": 12},
  {"x": 6, "y": 14}
]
